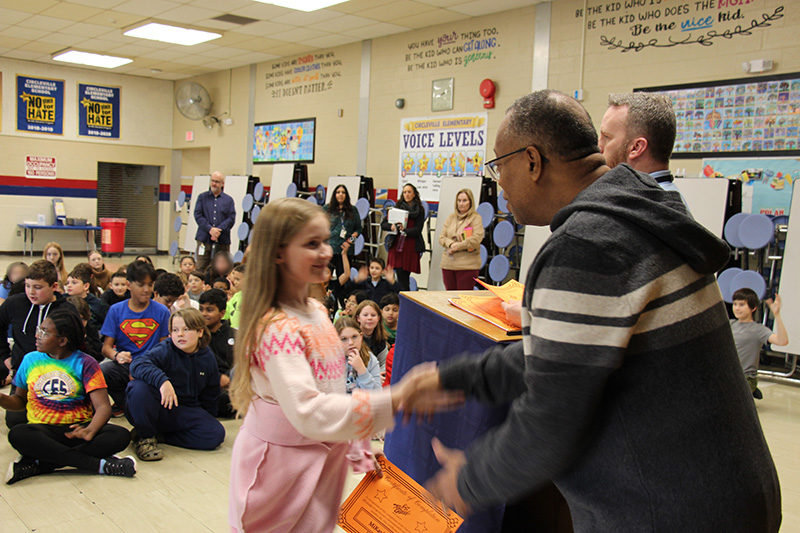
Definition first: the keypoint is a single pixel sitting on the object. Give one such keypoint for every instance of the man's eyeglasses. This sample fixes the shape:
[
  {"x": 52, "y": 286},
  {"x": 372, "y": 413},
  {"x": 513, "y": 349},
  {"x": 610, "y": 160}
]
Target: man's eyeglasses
[{"x": 493, "y": 172}]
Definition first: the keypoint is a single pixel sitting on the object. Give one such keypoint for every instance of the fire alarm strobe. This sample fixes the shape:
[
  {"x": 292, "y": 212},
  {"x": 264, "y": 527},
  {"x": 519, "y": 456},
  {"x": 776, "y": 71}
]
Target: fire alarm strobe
[{"x": 487, "y": 90}]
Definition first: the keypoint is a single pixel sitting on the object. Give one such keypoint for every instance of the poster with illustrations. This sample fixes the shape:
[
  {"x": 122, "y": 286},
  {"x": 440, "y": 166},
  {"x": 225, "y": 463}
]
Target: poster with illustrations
[
  {"x": 767, "y": 182},
  {"x": 433, "y": 147}
]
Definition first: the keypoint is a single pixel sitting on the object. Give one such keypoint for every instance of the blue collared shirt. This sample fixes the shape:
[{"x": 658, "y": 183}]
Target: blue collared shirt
[{"x": 214, "y": 212}]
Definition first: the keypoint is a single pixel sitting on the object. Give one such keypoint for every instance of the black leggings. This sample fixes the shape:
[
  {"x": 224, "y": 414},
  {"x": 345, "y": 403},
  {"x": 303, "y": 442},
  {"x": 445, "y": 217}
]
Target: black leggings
[
  {"x": 403, "y": 278},
  {"x": 52, "y": 448}
]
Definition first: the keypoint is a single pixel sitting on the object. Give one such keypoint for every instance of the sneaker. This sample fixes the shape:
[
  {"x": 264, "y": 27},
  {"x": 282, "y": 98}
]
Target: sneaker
[
  {"x": 117, "y": 411},
  {"x": 21, "y": 468},
  {"x": 148, "y": 450},
  {"x": 757, "y": 394},
  {"x": 115, "y": 466}
]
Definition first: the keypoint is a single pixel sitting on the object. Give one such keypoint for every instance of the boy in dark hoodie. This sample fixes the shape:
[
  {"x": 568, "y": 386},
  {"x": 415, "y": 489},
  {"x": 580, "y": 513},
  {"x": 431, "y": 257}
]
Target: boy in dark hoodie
[
  {"x": 212, "y": 307},
  {"x": 24, "y": 313},
  {"x": 117, "y": 290},
  {"x": 175, "y": 389}
]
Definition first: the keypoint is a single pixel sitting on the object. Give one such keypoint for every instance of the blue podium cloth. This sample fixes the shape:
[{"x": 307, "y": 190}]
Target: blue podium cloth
[{"x": 423, "y": 335}]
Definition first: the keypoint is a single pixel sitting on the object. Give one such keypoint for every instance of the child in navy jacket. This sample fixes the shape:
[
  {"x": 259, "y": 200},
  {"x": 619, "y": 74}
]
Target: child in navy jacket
[{"x": 175, "y": 390}]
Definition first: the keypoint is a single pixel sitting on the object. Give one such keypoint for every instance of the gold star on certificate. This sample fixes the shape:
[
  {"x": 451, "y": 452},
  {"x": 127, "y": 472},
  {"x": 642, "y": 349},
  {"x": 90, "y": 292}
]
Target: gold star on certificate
[
  {"x": 421, "y": 527},
  {"x": 380, "y": 495}
]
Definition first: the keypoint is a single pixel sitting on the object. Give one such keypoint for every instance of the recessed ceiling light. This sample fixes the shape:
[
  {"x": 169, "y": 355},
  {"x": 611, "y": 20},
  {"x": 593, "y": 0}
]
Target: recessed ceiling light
[
  {"x": 171, "y": 34},
  {"x": 303, "y": 5},
  {"x": 93, "y": 60}
]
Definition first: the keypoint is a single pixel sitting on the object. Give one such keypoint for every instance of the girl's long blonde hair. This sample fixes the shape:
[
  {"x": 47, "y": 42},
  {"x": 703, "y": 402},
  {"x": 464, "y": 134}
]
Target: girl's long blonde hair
[
  {"x": 277, "y": 224},
  {"x": 347, "y": 322},
  {"x": 471, "y": 209},
  {"x": 62, "y": 270}
]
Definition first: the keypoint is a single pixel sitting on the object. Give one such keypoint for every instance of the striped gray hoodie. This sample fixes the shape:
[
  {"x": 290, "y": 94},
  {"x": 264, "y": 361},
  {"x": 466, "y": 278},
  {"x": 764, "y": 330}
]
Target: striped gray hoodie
[{"x": 626, "y": 390}]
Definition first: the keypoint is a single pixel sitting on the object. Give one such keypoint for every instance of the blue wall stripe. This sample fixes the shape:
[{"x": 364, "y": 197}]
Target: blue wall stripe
[{"x": 52, "y": 192}]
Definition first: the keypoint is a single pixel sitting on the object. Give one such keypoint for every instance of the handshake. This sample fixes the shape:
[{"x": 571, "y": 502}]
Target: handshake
[{"x": 420, "y": 392}]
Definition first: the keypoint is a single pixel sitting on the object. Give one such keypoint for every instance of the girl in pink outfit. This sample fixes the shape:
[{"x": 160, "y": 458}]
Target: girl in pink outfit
[{"x": 292, "y": 452}]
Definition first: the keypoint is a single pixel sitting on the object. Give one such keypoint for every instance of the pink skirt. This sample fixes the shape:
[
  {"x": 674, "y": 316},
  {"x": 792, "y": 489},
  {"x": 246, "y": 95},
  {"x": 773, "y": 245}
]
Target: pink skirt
[{"x": 282, "y": 481}]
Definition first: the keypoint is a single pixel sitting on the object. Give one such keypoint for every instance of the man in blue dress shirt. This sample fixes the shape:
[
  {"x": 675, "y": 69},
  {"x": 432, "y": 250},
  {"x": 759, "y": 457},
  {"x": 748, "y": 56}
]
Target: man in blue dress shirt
[{"x": 215, "y": 214}]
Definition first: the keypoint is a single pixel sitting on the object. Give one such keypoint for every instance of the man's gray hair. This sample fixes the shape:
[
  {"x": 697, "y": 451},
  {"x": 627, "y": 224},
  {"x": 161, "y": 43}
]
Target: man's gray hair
[{"x": 650, "y": 115}]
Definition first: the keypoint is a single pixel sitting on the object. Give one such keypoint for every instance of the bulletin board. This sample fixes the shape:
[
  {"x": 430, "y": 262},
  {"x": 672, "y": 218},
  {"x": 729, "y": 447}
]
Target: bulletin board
[{"x": 745, "y": 117}]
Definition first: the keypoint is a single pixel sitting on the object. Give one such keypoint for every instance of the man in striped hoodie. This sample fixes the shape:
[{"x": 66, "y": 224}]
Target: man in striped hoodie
[{"x": 626, "y": 390}]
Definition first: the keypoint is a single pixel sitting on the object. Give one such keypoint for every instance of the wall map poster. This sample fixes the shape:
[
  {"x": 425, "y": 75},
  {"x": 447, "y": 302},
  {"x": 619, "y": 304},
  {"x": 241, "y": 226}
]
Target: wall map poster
[
  {"x": 98, "y": 111},
  {"x": 431, "y": 147},
  {"x": 40, "y": 105},
  {"x": 753, "y": 115}
]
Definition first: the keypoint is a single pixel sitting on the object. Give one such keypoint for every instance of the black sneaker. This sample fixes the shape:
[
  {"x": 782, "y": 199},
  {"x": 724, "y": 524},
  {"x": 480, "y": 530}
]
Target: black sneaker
[
  {"x": 757, "y": 394},
  {"x": 117, "y": 411},
  {"x": 115, "y": 466},
  {"x": 21, "y": 468}
]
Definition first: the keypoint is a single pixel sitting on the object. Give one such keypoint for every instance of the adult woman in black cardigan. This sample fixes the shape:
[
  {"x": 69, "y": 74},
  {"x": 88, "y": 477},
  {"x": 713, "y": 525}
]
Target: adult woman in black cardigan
[
  {"x": 345, "y": 225},
  {"x": 406, "y": 244}
]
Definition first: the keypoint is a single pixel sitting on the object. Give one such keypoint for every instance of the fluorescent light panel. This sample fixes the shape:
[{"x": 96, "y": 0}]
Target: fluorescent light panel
[
  {"x": 303, "y": 5},
  {"x": 171, "y": 34},
  {"x": 93, "y": 60}
]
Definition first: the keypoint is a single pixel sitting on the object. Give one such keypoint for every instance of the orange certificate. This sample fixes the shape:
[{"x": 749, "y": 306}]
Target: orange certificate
[
  {"x": 394, "y": 503},
  {"x": 511, "y": 290}
]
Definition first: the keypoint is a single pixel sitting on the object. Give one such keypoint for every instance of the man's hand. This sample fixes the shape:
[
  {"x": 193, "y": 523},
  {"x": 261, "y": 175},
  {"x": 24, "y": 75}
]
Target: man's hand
[
  {"x": 215, "y": 233},
  {"x": 444, "y": 485},
  {"x": 513, "y": 311},
  {"x": 420, "y": 392},
  {"x": 168, "y": 397}
]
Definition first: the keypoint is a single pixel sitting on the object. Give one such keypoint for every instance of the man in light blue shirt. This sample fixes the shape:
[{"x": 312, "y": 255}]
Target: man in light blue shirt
[{"x": 639, "y": 129}]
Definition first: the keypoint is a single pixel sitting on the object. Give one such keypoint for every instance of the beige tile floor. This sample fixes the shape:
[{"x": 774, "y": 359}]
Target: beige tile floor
[{"x": 188, "y": 490}]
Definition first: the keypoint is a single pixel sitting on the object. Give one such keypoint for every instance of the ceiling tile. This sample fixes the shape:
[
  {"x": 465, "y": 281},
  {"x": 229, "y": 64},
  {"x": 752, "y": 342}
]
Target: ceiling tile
[
  {"x": 257, "y": 44},
  {"x": 85, "y": 30},
  {"x": 260, "y": 11},
  {"x": 11, "y": 42},
  {"x": 114, "y": 19},
  {"x": 223, "y": 53},
  {"x": 62, "y": 39},
  {"x": 290, "y": 49},
  {"x": 443, "y": 3},
  {"x": 98, "y": 45},
  {"x": 162, "y": 55},
  {"x": 301, "y": 18},
  {"x": 131, "y": 50},
  {"x": 228, "y": 6},
  {"x": 218, "y": 25},
  {"x": 192, "y": 59},
  {"x": 298, "y": 35},
  {"x": 342, "y": 23},
  {"x": 395, "y": 10},
  {"x": 42, "y": 48},
  {"x": 4, "y": 50},
  {"x": 376, "y": 30},
  {"x": 263, "y": 28},
  {"x": 354, "y": 6},
  {"x": 430, "y": 18},
  {"x": 189, "y": 14},
  {"x": 41, "y": 22},
  {"x": 170, "y": 76},
  {"x": 28, "y": 34},
  {"x": 146, "y": 8},
  {"x": 332, "y": 40},
  {"x": 25, "y": 55},
  {"x": 28, "y": 6},
  {"x": 481, "y": 7},
  {"x": 71, "y": 11},
  {"x": 11, "y": 16},
  {"x": 102, "y": 4},
  {"x": 225, "y": 64},
  {"x": 255, "y": 57}
]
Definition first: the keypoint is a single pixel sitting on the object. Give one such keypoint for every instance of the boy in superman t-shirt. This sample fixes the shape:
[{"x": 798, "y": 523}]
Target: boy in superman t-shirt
[{"x": 132, "y": 327}]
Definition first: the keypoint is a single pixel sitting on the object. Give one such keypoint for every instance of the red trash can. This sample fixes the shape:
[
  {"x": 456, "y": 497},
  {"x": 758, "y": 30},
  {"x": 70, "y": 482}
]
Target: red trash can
[{"x": 112, "y": 236}]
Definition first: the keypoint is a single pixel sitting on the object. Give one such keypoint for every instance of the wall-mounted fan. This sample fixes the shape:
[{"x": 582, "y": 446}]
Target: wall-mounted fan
[{"x": 193, "y": 101}]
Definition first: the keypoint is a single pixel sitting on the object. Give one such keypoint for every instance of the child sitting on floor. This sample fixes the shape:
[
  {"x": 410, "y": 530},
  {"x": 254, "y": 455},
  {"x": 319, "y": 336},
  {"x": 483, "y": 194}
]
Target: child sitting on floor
[
  {"x": 92, "y": 341},
  {"x": 368, "y": 316},
  {"x": 175, "y": 390},
  {"x": 390, "y": 310},
  {"x": 117, "y": 290},
  {"x": 212, "y": 307},
  {"x": 372, "y": 280},
  {"x": 363, "y": 370},
  {"x": 79, "y": 283},
  {"x": 67, "y": 404},
  {"x": 750, "y": 336},
  {"x": 195, "y": 288}
]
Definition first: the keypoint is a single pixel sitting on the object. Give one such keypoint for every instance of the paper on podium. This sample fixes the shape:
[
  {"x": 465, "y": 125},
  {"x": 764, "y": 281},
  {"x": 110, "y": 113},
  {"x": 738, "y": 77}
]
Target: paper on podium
[
  {"x": 511, "y": 290},
  {"x": 486, "y": 308},
  {"x": 394, "y": 503}
]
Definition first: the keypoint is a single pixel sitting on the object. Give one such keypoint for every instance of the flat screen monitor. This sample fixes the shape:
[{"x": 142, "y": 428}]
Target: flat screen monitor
[{"x": 287, "y": 141}]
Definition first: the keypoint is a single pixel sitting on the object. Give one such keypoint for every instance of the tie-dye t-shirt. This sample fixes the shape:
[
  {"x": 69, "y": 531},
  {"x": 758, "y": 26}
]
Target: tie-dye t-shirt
[{"x": 58, "y": 389}]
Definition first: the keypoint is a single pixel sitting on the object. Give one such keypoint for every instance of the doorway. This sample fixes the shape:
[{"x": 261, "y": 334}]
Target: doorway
[{"x": 131, "y": 192}]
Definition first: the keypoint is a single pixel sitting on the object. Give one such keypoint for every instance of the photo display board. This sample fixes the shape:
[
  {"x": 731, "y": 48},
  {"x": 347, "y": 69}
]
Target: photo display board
[
  {"x": 290, "y": 141},
  {"x": 746, "y": 117}
]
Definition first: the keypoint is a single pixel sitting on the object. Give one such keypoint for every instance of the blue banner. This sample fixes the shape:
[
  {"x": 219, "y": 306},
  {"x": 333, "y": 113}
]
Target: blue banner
[
  {"x": 40, "y": 105},
  {"x": 98, "y": 111}
]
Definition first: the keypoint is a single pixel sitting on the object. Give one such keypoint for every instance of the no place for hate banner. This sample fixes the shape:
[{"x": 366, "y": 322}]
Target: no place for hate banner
[
  {"x": 98, "y": 111},
  {"x": 40, "y": 105},
  {"x": 433, "y": 147}
]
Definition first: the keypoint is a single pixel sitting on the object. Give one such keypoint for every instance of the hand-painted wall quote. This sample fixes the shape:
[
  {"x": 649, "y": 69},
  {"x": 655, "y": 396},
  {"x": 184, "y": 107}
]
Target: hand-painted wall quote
[
  {"x": 307, "y": 74},
  {"x": 453, "y": 49},
  {"x": 634, "y": 25}
]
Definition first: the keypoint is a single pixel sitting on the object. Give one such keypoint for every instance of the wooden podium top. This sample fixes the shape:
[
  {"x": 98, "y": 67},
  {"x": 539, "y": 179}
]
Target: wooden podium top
[{"x": 437, "y": 302}]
